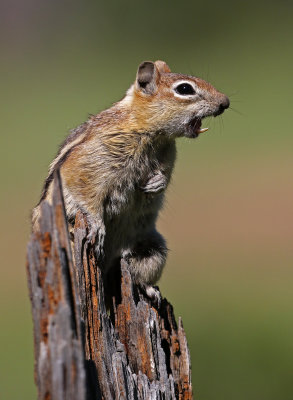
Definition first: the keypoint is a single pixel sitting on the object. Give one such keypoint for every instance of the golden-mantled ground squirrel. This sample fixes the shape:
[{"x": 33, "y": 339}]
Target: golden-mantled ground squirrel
[{"x": 116, "y": 167}]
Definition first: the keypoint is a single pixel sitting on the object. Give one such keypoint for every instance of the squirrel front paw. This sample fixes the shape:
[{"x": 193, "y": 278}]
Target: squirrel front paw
[
  {"x": 96, "y": 233},
  {"x": 156, "y": 184}
]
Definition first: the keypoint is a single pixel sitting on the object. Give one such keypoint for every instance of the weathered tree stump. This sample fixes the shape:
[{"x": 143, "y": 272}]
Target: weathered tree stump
[{"x": 84, "y": 351}]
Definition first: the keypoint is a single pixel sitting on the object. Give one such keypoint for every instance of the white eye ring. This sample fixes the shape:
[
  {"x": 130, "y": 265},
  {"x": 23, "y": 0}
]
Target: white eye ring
[{"x": 184, "y": 89}]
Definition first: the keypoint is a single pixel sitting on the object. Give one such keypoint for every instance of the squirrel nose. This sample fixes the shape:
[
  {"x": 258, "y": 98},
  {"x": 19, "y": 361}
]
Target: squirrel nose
[{"x": 225, "y": 103}]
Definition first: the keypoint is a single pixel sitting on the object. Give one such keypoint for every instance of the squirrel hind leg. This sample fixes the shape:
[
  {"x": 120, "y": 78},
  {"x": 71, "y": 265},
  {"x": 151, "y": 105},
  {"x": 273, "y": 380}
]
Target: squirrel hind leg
[{"x": 146, "y": 262}]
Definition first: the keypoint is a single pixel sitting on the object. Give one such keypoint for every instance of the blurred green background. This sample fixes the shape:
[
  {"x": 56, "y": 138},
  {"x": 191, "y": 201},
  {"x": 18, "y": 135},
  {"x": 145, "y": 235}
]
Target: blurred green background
[{"x": 228, "y": 216}]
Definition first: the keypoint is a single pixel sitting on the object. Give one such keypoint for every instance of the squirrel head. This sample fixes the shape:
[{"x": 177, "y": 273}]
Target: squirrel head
[{"x": 170, "y": 103}]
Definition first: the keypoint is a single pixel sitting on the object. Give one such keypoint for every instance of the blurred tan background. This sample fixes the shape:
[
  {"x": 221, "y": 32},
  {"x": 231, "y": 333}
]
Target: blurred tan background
[{"x": 228, "y": 217}]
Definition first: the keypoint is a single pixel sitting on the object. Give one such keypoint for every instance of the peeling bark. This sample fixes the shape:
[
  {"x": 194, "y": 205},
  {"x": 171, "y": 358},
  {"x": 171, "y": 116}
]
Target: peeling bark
[{"x": 85, "y": 350}]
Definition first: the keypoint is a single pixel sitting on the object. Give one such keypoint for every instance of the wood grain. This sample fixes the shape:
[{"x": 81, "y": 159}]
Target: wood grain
[{"x": 93, "y": 344}]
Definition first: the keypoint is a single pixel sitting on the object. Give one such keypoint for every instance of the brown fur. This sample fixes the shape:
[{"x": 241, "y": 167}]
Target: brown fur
[{"x": 117, "y": 165}]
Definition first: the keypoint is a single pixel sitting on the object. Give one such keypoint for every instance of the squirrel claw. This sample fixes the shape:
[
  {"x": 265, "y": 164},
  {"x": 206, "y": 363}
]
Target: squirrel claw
[
  {"x": 91, "y": 236},
  {"x": 92, "y": 230}
]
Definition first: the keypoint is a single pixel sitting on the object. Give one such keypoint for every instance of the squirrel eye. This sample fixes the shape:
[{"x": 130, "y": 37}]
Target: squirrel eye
[{"x": 185, "y": 89}]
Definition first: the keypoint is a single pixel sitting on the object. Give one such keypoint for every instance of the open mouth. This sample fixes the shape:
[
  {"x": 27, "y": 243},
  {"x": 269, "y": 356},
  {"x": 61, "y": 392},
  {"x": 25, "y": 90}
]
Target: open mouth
[{"x": 194, "y": 127}]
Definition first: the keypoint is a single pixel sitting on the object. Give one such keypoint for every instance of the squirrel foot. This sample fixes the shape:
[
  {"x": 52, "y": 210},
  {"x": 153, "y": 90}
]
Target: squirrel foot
[
  {"x": 154, "y": 294},
  {"x": 156, "y": 184}
]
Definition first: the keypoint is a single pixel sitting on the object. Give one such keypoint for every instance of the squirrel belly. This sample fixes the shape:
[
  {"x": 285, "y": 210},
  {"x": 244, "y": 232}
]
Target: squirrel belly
[{"x": 116, "y": 167}]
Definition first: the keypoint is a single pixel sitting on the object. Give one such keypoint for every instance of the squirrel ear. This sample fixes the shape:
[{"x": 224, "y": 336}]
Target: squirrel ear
[
  {"x": 162, "y": 67},
  {"x": 146, "y": 77}
]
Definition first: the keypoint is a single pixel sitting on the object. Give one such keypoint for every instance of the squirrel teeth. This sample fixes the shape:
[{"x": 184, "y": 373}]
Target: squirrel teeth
[{"x": 203, "y": 130}]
